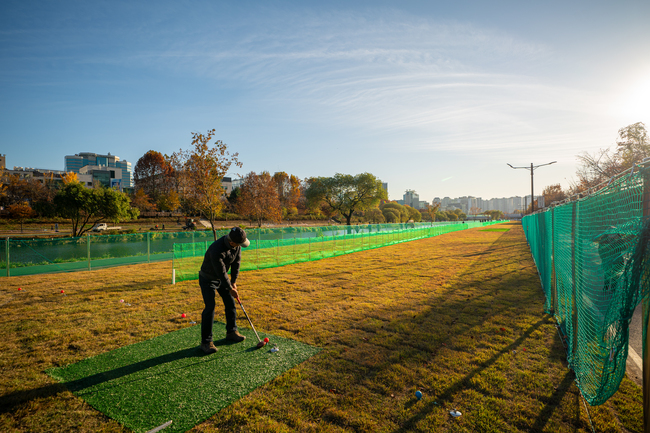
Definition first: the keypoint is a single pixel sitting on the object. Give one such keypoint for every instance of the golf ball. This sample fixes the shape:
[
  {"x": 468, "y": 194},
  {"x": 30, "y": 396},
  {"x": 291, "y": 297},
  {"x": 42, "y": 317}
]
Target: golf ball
[
  {"x": 418, "y": 395},
  {"x": 266, "y": 340},
  {"x": 183, "y": 315},
  {"x": 62, "y": 291}
]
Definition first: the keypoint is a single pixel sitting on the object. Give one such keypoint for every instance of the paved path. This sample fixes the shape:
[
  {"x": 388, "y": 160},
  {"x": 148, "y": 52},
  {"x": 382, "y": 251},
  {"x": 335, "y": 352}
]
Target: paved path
[{"x": 635, "y": 348}]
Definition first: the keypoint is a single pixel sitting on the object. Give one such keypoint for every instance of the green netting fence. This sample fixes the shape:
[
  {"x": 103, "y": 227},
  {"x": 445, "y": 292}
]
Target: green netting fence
[
  {"x": 38, "y": 256},
  {"x": 288, "y": 245},
  {"x": 593, "y": 255}
]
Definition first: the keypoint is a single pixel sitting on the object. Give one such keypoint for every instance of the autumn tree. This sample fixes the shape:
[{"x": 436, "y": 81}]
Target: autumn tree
[
  {"x": 69, "y": 177},
  {"x": 344, "y": 193},
  {"x": 20, "y": 212},
  {"x": 202, "y": 169},
  {"x": 142, "y": 202},
  {"x": 432, "y": 210},
  {"x": 553, "y": 193},
  {"x": 150, "y": 174},
  {"x": 168, "y": 201},
  {"x": 632, "y": 146},
  {"x": 87, "y": 207},
  {"x": 258, "y": 199},
  {"x": 16, "y": 189}
]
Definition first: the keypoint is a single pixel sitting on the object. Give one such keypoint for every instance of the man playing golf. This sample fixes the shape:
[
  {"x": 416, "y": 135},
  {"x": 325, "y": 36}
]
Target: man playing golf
[{"x": 222, "y": 255}]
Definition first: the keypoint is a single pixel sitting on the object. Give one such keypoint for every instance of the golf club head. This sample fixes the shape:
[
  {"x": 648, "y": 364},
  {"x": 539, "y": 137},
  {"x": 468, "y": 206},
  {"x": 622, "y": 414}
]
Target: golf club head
[{"x": 261, "y": 344}]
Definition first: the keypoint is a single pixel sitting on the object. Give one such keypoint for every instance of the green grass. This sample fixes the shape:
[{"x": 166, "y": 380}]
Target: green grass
[
  {"x": 146, "y": 384},
  {"x": 459, "y": 317}
]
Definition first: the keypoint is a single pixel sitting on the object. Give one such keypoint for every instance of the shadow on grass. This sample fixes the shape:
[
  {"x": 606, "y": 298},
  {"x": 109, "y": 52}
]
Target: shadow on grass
[
  {"x": 9, "y": 401},
  {"x": 447, "y": 395}
]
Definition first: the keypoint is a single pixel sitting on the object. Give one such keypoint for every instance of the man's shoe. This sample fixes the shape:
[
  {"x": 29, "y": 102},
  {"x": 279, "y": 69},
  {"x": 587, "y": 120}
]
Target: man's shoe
[
  {"x": 208, "y": 348},
  {"x": 235, "y": 336}
]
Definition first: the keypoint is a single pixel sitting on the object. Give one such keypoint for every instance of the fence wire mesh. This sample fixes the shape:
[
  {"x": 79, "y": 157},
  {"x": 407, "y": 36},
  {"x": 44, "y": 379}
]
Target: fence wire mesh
[
  {"x": 288, "y": 245},
  {"x": 38, "y": 256},
  {"x": 592, "y": 256}
]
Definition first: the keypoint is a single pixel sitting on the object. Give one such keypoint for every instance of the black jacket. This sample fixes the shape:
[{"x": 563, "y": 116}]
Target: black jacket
[{"x": 220, "y": 257}]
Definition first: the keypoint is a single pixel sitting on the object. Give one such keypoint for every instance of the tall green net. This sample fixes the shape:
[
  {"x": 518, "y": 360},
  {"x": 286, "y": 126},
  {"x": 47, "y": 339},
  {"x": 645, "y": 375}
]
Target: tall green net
[
  {"x": 288, "y": 245},
  {"x": 593, "y": 255},
  {"x": 37, "y": 256}
]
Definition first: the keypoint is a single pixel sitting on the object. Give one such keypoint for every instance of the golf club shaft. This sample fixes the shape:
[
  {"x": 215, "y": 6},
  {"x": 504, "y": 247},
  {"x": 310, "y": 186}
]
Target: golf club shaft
[{"x": 249, "y": 320}]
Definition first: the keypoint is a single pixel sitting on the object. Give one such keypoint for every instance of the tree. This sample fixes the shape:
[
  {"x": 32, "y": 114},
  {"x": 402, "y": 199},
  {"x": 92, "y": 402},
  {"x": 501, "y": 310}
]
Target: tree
[
  {"x": 432, "y": 210},
  {"x": 375, "y": 215},
  {"x": 553, "y": 193},
  {"x": 441, "y": 216},
  {"x": 87, "y": 207},
  {"x": 345, "y": 193},
  {"x": 474, "y": 210},
  {"x": 413, "y": 214},
  {"x": 142, "y": 202},
  {"x": 20, "y": 212},
  {"x": 400, "y": 212},
  {"x": 494, "y": 214},
  {"x": 69, "y": 177},
  {"x": 17, "y": 189},
  {"x": 150, "y": 174},
  {"x": 633, "y": 146},
  {"x": 203, "y": 168},
  {"x": 168, "y": 201},
  {"x": 258, "y": 199}
]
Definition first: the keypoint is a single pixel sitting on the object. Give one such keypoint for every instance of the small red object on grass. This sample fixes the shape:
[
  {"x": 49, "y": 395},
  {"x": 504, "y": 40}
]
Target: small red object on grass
[
  {"x": 183, "y": 315},
  {"x": 20, "y": 289},
  {"x": 266, "y": 340},
  {"x": 503, "y": 329},
  {"x": 62, "y": 291}
]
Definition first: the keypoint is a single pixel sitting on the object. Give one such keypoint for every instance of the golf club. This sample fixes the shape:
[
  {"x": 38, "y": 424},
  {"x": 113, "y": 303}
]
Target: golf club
[{"x": 261, "y": 343}]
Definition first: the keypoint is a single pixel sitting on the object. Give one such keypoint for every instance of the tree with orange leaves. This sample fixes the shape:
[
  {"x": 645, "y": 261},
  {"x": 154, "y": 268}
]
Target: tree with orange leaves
[
  {"x": 259, "y": 200},
  {"x": 201, "y": 170}
]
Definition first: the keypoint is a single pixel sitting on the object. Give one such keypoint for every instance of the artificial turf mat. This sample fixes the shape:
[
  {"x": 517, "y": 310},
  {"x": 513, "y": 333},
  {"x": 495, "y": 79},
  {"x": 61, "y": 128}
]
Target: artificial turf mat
[{"x": 147, "y": 384}]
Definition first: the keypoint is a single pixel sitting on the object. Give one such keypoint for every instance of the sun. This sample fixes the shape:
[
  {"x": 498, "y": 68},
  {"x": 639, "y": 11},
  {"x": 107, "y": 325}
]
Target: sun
[{"x": 636, "y": 103}]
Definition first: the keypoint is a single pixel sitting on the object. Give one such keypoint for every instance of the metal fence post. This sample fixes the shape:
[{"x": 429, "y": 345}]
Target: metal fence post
[
  {"x": 645, "y": 318},
  {"x": 7, "y": 255},
  {"x": 553, "y": 275},
  {"x": 88, "y": 248},
  {"x": 574, "y": 309}
]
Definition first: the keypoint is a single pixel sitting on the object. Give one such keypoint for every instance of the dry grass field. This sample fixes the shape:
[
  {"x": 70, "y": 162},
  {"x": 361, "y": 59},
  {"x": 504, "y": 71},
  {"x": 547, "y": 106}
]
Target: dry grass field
[{"x": 458, "y": 317}]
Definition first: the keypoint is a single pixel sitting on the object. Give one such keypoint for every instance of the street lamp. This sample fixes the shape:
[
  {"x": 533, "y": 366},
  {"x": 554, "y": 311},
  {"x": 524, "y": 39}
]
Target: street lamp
[{"x": 532, "y": 169}]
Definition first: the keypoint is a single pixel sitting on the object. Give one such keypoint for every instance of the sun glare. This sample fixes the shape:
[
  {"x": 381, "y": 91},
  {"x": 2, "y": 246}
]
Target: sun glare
[{"x": 636, "y": 104}]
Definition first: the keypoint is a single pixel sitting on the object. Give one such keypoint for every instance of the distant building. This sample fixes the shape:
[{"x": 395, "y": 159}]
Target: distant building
[
  {"x": 411, "y": 198},
  {"x": 47, "y": 177},
  {"x": 106, "y": 170},
  {"x": 226, "y": 182},
  {"x": 3, "y": 161},
  {"x": 384, "y": 185}
]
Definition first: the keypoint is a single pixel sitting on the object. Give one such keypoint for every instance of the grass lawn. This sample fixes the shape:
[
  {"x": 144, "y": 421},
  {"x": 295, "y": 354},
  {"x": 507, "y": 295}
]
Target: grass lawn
[{"x": 458, "y": 317}]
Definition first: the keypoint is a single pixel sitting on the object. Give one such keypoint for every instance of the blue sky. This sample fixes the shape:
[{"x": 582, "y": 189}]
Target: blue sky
[{"x": 425, "y": 95}]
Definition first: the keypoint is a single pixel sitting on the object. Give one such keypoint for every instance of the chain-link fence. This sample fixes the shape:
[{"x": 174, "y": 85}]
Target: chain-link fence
[{"x": 592, "y": 256}]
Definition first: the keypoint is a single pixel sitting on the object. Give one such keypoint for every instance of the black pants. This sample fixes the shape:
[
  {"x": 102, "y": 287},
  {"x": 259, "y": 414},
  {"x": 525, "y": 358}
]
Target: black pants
[{"x": 209, "y": 289}]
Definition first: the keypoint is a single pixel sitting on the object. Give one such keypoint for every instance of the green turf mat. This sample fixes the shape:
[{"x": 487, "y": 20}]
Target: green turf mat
[{"x": 147, "y": 384}]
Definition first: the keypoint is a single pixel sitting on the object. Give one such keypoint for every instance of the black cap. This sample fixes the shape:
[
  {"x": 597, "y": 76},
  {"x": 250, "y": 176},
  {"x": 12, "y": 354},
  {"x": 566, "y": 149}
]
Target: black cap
[{"x": 238, "y": 236}]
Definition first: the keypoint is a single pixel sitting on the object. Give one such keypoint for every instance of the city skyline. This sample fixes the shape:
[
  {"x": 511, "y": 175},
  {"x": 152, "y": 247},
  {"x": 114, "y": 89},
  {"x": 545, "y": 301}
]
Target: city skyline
[{"x": 434, "y": 97}]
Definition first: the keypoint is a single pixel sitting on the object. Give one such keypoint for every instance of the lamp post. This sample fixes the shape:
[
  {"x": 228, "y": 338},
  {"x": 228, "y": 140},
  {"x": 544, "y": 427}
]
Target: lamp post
[{"x": 532, "y": 169}]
